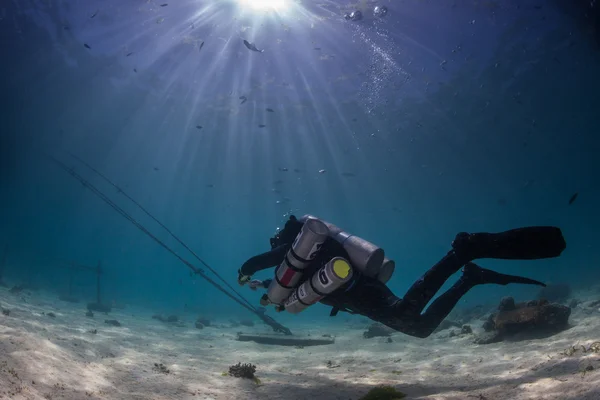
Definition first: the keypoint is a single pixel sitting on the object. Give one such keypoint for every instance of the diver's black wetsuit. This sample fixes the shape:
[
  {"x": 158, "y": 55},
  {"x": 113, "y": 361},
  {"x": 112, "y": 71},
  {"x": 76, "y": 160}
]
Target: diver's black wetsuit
[{"x": 373, "y": 299}]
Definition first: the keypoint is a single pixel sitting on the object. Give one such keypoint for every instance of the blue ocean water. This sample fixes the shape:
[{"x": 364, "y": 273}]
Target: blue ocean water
[{"x": 439, "y": 117}]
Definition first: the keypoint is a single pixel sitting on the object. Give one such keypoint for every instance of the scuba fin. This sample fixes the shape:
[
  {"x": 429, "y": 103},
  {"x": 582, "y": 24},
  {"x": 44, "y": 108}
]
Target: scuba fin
[
  {"x": 473, "y": 273},
  {"x": 529, "y": 243}
]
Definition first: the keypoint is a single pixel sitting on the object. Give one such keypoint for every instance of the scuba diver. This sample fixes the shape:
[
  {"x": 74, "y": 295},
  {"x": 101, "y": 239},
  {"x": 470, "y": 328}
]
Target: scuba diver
[{"x": 319, "y": 262}]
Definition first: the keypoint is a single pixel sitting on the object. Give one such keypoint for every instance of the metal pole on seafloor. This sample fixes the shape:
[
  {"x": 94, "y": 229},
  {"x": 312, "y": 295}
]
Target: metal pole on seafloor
[
  {"x": 98, "y": 272},
  {"x": 3, "y": 262},
  {"x": 198, "y": 271}
]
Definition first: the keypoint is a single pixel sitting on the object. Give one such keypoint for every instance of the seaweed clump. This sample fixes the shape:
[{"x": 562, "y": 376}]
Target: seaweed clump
[
  {"x": 243, "y": 371},
  {"x": 383, "y": 393}
]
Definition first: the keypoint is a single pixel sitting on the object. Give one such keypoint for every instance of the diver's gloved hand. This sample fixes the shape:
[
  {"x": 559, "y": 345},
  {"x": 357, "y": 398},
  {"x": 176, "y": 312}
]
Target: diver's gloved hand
[
  {"x": 255, "y": 283},
  {"x": 243, "y": 279}
]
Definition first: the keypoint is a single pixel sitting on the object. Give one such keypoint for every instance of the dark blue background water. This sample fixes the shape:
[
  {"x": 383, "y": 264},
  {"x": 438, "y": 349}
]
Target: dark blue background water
[{"x": 443, "y": 117}]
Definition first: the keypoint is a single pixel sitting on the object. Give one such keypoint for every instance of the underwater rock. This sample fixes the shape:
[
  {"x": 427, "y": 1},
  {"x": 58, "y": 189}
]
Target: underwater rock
[
  {"x": 204, "y": 321},
  {"x": 383, "y": 393},
  {"x": 466, "y": 330},
  {"x": 17, "y": 289},
  {"x": 170, "y": 319},
  {"x": 93, "y": 331},
  {"x": 6, "y": 312},
  {"x": 51, "y": 315},
  {"x": 112, "y": 322},
  {"x": 507, "y": 304},
  {"x": 377, "y": 330},
  {"x": 89, "y": 314},
  {"x": 199, "y": 325},
  {"x": 159, "y": 367},
  {"x": 105, "y": 308},
  {"x": 555, "y": 293},
  {"x": 242, "y": 370},
  {"x": 536, "y": 317}
]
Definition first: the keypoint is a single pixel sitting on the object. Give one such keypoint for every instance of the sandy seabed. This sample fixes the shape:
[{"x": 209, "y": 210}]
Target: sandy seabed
[{"x": 44, "y": 357}]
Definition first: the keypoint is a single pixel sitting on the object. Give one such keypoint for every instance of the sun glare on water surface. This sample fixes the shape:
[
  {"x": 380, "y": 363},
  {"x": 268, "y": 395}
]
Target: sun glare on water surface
[{"x": 264, "y": 5}]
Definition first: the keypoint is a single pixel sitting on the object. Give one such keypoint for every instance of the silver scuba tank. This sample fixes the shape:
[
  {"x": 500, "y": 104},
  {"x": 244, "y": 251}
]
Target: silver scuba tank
[
  {"x": 303, "y": 251},
  {"x": 327, "y": 279},
  {"x": 386, "y": 271},
  {"x": 364, "y": 255}
]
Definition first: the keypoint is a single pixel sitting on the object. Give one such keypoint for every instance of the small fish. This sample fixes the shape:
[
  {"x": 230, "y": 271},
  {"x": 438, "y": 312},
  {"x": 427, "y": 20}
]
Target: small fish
[
  {"x": 94, "y": 14},
  {"x": 282, "y": 169},
  {"x": 278, "y": 182},
  {"x": 156, "y": 168},
  {"x": 87, "y": 46},
  {"x": 243, "y": 99},
  {"x": 198, "y": 126},
  {"x": 66, "y": 28},
  {"x": 297, "y": 170},
  {"x": 135, "y": 70},
  {"x": 210, "y": 185},
  {"x": 128, "y": 54},
  {"x": 201, "y": 46},
  {"x": 251, "y": 46},
  {"x": 322, "y": 171},
  {"x": 270, "y": 110},
  {"x": 261, "y": 126},
  {"x": 317, "y": 48},
  {"x": 573, "y": 198},
  {"x": 160, "y": 20},
  {"x": 164, "y": 5},
  {"x": 349, "y": 174}
]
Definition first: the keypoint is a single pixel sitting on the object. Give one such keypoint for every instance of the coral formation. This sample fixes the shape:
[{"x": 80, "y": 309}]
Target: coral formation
[
  {"x": 536, "y": 316},
  {"x": 202, "y": 322},
  {"x": 242, "y": 371},
  {"x": 159, "y": 367}
]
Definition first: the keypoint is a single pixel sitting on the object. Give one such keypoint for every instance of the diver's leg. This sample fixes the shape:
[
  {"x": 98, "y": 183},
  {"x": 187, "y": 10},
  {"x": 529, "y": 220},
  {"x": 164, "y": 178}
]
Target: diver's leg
[
  {"x": 423, "y": 325},
  {"x": 423, "y": 290},
  {"x": 375, "y": 300},
  {"x": 472, "y": 275}
]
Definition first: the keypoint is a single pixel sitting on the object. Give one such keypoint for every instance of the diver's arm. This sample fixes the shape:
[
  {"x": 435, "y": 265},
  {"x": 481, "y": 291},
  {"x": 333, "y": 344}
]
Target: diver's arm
[{"x": 262, "y": 261}]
